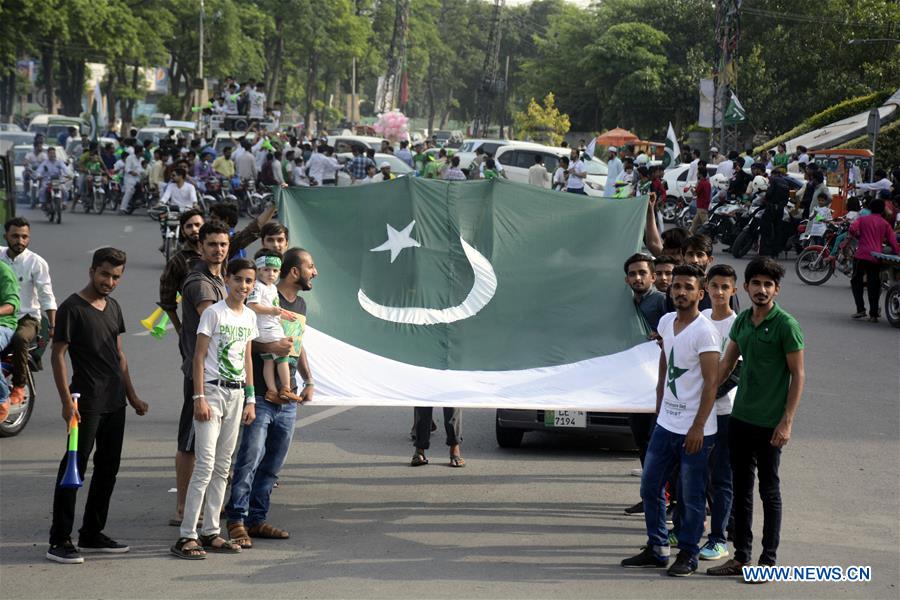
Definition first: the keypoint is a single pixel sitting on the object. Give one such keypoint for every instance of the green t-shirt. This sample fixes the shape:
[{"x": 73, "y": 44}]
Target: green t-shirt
[
  {"x": 491, "y": 174},
  {"x": 419, "y": 161},
  {"x": 765, "y": 378},
  {"x": 781, "y": 160},
  {"x": 433, "y": 169},
  {"x": 9, "y": 294}
]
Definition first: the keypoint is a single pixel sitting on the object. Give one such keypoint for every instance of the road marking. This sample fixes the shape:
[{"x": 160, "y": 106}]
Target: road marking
[
  {"x": 321, "y": 416},
  {"x": 128, "y": 228}
]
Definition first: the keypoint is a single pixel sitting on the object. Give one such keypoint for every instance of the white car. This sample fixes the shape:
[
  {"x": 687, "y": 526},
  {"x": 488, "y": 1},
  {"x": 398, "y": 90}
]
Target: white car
[
  {"x": 346, "y": 143},
  {"x": 154, "y": 134},
  {"x": 676, "y": 180},
  {"x": 517, "y": 157},
  {"x": 398, "y": 167},
  {"x": 225, "y": 139}
]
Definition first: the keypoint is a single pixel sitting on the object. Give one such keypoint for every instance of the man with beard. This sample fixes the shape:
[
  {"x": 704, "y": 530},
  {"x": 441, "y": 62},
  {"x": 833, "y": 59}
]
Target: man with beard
[
  {"x": 89, "y": 326},
  {"x": 685, "y": 426},
  {"x": 203, "y": 287},
  {"x": 35, "y": 295},
  {"x": 180, "y": 265},
  {"x": 640, "y": 277},
  {"x": 266, "y": 441},
  {"x": 772, "y": 376}
]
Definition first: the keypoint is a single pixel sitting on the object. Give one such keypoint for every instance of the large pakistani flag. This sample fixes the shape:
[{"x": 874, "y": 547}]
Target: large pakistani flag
[{"x": 481, "y": 293}]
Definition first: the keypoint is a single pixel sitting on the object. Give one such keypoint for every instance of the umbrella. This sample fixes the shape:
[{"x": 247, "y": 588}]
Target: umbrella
[{"x": 617, "y": 137}]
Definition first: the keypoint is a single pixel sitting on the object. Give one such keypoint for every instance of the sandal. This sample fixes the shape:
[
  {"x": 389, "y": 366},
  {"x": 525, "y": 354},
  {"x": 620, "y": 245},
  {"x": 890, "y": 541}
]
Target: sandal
[
  {"x": 418, "y": 460},
  {"x": 238, "y": 534},
  {"x": 226, "y": 547},
  {"x": 266, "y": 531},
  {"x": 457, "y": 461},
  {"x": 194, "y": 552}
]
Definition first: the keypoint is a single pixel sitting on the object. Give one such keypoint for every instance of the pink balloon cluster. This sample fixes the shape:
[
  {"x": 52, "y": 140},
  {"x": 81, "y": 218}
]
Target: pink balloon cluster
[{"x": 392, "y": 125}]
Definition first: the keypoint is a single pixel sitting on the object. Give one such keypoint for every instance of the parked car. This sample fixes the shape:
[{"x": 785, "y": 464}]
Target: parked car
[
  {"x": 448, "y": 138},
  {"x": 346, "y": 143},
  {"x": 511, "y": 425},
  {"x": 676, "y": 180},
  {"x": 8, "y": 139},
  {"x": 9, "y": 127},
  {"x": 398, "y": 167},
  {"x": 53, "y": 125},
  {"x": 517, "y": 157},
  {"x": 158, "y": 119},
  {"x": 154, "y": 134}
]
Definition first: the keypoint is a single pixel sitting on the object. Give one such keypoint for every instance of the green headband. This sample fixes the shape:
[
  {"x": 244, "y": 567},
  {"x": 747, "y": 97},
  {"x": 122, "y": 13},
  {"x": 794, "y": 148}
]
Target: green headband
[{"x": 268, "y": 261}]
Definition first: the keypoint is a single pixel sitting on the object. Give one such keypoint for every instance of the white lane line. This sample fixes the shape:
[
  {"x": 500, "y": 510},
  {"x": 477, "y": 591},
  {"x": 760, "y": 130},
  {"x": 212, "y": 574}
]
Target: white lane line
[
  {"x": 128, "y": 228},
  {"x": 321, "y": 416}
]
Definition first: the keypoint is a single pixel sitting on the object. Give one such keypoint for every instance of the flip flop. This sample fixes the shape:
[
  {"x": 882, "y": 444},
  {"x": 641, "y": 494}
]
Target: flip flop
[
  {"x": 457, "y": 461},
  {"x": 418, "y": 460},
  {"x": 266, "y": 531},
  {"x": 226, "y": 547}
]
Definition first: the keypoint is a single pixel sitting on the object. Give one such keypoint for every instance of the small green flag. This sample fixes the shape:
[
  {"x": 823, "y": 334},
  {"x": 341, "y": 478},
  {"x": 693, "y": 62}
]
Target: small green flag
[{"x": 734, "y": 112}]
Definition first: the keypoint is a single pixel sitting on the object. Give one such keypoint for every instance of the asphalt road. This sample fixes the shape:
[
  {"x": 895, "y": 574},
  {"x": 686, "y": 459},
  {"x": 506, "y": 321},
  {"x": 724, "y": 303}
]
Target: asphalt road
[{"x": 542, "y": 521}]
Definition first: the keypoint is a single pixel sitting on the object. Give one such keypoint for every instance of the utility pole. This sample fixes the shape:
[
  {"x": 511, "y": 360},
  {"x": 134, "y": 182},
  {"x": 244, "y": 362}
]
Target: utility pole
[
  {"x": 728, "y": 35},
  {"x": 487, "y": 90},
  {"x": 396, "y": 58},
  {"x": 352, "y": 115},
  {"x": 202, "y": 82}
]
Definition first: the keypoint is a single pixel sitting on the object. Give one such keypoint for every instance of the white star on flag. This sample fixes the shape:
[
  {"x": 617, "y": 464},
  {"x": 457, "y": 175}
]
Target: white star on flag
[{"x": 397, "y": 241}]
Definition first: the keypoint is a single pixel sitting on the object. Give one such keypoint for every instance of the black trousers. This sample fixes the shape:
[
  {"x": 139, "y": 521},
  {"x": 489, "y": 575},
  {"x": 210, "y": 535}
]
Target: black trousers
[
  {"x": 872, "y": 273},
  {"x": 642, "y": 425},
  {"x": 452, "y": 425},
  {"x": 106, "y": 431},
  {"x": 752, "y": 452}
]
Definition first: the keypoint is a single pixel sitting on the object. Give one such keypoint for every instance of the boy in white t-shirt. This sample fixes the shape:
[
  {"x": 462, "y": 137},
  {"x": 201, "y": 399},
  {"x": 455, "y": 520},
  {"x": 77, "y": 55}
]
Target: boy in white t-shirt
[
  {"x": 685, "y": 425},
  {"x": 819, "y": 222},
  {"x": 721, "y": 285},
  {"x": 223, "y": 398},
  {"x": 263, "y": 301}
]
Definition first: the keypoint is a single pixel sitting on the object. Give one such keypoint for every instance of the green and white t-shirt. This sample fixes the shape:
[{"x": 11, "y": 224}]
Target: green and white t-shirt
[
  {"x": 228, "y": 333},
  {"x": 684, "y": 380},
  {"x": 726, "y": 402}
]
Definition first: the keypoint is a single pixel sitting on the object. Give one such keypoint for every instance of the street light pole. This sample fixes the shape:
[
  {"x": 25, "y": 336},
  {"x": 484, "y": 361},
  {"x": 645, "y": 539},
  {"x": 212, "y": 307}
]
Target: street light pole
[{"x": 200, "y": 69}]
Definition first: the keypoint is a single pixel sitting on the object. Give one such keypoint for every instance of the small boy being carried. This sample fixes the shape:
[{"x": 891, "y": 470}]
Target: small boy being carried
[{"x": 263, "y": 300}]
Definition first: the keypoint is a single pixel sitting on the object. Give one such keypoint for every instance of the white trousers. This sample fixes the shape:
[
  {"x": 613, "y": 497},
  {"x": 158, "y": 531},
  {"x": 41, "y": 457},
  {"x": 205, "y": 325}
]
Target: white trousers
[
  {"x": 214, "y": 443},
  {"x": 129, "y": 183}
]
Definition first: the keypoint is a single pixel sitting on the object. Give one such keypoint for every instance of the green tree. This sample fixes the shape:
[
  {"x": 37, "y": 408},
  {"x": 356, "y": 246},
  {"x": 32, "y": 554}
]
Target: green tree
[{"x": 542, "y": 123}]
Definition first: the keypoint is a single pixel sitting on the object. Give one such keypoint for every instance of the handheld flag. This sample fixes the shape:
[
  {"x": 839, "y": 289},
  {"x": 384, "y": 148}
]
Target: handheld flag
[
  {"x": 591, "y": 147},
  {"x": 95, "y": 112},
  {"x": 479, "y": 294},
  {"x": 734, "y": 112},
  {"x": 72, "y": 478},
  {"x": 672, "y": 156}
]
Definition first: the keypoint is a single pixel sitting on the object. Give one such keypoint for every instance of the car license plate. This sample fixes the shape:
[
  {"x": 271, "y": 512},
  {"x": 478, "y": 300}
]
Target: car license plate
[{"x": 565, "y": 418}]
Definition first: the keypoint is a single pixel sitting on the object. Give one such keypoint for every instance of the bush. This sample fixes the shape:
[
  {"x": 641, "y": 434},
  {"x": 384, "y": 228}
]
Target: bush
[{"x": 839, "y": 111}]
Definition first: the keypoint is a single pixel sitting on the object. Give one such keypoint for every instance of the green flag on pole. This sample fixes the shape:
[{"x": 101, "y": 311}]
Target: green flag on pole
[
  {"x": 672, "y": 156},
  {"x": 481, "y": 293},
  {"x": 95, "y": 113},
  {"x": 734, "y": 112}
]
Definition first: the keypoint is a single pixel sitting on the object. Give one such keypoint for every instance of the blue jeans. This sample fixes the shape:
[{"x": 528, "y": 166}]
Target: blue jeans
[
  {"x": 264, "y": 446},
  {"x": 6, "y": 335},
  {"x": 720, "y": 482},
  {"x": 666, "y": 449}
]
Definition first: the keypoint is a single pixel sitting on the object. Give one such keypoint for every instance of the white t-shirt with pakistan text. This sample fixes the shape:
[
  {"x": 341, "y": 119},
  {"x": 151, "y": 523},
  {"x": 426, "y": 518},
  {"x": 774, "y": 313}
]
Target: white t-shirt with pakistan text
[
  {"x": 726, "y": 402},
  {"x": 684, "y": 380},
  {"x": 228, "y": 334}
]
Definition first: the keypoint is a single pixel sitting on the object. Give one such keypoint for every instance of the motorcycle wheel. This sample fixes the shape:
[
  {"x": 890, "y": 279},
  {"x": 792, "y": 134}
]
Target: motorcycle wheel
[
  {"x": 892, "y": 305},
  {"x": 742, "y": 244},
  {"x": 685, "y": 219},
  {"x": 19, "y": 414},
  {"x": 49, "y": 210},
  {"x": 57, "y": 208},
  {"x": 167, "y": 248},
  {"x": 811, "y": 266},
  {"x": 99, "y": 201},
  {"x": 669, "y": 211}
]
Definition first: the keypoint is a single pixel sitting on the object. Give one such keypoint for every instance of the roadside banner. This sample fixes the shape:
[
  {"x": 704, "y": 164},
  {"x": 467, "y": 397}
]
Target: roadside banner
[{"x": 478, "y": 293}]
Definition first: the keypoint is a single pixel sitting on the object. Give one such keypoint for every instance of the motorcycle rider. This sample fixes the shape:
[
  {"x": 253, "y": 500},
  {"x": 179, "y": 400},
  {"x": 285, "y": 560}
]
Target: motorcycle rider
[
  {"x": 131, "y": 178},
  {"x": 50, "y": 168},
  {"x": 202, "y": 172},
  {"x": 36, "y": 296},
  {"x": 32, "y": 161}
]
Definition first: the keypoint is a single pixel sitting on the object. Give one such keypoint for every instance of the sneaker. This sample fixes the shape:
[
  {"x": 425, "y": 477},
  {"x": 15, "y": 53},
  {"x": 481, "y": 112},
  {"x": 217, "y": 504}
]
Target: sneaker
[
  {"x": 64, "y": 553},
  {"x": 684, "y": 565},
  {"x": 858, "y": 315},
  {"x": 731, "y": 568},
  {"x": 101, "y": 543},
  {"x": 637, "y": 509},
  {"x": 647, "y": 559},
  {"x": 713, "y": 551},
  {"x": 673, "y": 539}
]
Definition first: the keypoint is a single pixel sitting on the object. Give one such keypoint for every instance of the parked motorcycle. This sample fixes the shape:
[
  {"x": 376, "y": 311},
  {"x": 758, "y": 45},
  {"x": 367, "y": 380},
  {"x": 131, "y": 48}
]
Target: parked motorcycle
[{"x": 725, "y": 222}]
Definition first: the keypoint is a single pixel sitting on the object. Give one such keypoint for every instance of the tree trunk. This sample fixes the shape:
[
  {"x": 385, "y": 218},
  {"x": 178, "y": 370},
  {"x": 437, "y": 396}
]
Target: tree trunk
[
  {"x": 111, "y": 100},
  {"x": 312, "y": 91},
  {"x": 71, "y": 85},
  {"x": 8, "y": 94},
  {"x": 129, "y": 104},
  {"x": 273, "y": 75},
  {"x": 48, "y": 60},
  {"x": 446, "y": 114},
  {"x": 429, "y": 98}
]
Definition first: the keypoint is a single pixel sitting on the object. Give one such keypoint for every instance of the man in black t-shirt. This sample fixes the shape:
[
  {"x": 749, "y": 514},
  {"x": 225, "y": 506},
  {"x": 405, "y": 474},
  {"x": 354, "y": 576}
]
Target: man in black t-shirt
[
  {"x": 88, "y": 327},
  {"x": 266, "y": 441}
]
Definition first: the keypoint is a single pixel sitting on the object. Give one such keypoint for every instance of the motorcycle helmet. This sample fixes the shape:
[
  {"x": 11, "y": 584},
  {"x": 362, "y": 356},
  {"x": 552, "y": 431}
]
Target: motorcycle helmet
[
  {"x": 759, "y": 184},
  {"x": 719, "y": 181}
]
